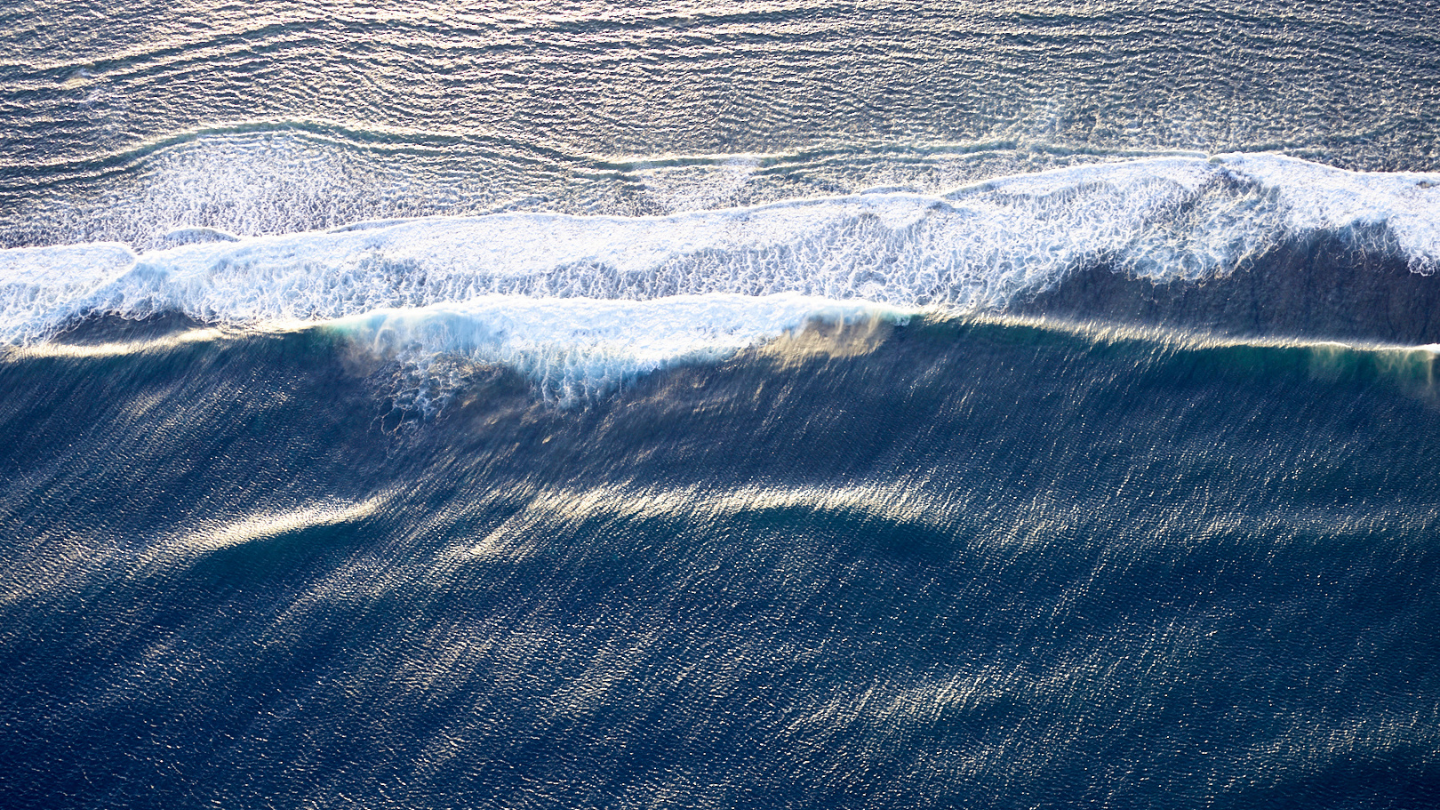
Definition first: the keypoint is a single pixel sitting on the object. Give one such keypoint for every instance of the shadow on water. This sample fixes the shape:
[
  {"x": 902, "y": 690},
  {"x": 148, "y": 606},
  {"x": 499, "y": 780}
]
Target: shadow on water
[
  {"x": 959, "y": 562},
  {"x": 1325, "y": 287}
]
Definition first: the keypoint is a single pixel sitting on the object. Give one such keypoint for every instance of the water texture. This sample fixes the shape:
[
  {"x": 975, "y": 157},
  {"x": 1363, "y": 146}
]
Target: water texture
[{"x": 752, "y": 405}]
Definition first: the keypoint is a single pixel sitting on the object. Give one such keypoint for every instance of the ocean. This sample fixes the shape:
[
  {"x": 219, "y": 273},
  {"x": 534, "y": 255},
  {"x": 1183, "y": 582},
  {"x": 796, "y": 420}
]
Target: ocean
[{"x": 777, "y": 404}]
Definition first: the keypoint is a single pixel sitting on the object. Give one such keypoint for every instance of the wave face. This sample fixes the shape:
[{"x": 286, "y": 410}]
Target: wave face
[
  {"x": 775, "y": 404},
  {"x": 285, "y": 117},
  {"x": 944, "y": 569},
  {"x": 765, "y": 270}
]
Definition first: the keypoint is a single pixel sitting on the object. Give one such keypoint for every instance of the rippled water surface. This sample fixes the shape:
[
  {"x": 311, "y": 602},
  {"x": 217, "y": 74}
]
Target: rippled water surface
[
  {"x": 759, "y": 405},
  {"x": 261, "y": 118}
]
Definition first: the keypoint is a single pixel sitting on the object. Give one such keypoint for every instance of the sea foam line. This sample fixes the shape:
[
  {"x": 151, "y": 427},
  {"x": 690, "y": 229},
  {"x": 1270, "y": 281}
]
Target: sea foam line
[{"x": 733, "y": 276}]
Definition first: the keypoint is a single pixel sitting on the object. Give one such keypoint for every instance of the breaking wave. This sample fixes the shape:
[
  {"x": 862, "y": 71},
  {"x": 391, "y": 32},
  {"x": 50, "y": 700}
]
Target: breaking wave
[{"x": 580, "y": 302}]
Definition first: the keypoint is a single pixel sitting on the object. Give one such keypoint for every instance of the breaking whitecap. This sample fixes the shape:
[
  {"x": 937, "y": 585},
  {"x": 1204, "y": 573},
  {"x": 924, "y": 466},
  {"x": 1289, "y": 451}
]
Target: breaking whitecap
[
  {"x": 574, "y": 349},
  {"x": 581, "y": 304}
]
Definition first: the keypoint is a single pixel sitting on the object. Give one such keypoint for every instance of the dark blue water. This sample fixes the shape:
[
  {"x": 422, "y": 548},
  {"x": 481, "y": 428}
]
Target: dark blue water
[{"x": 768, "y": 405}]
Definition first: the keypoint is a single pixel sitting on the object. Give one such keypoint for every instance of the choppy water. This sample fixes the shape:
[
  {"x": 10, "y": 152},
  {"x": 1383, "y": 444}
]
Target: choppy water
[{"x": 768, "y": 404}]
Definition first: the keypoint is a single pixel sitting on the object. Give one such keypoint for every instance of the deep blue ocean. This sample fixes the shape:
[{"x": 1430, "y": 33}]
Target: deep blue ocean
[{"x": 773, "y": 404}]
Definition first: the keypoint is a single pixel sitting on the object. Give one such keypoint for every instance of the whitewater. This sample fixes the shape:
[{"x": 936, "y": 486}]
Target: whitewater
[
  {"x": 580, "y": 304},
  {"x": 763, "y": 404}
]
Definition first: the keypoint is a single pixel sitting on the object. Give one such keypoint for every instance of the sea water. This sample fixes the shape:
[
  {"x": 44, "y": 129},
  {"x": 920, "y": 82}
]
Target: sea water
[{"x": 773, "y": 404}]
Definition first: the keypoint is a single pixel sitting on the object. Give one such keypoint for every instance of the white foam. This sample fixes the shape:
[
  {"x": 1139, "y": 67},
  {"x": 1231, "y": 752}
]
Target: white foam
[
  {"x": 43, "y": 289},
  {"x": 575, "y": 348},
  {"x": 1318, "y": 198},
  {"x": 521, "y": 273}
]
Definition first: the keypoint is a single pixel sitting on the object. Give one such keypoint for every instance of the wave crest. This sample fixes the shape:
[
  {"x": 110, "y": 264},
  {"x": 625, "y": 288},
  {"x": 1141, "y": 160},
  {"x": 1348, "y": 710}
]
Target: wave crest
[{"x": 766, "y": 268}]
